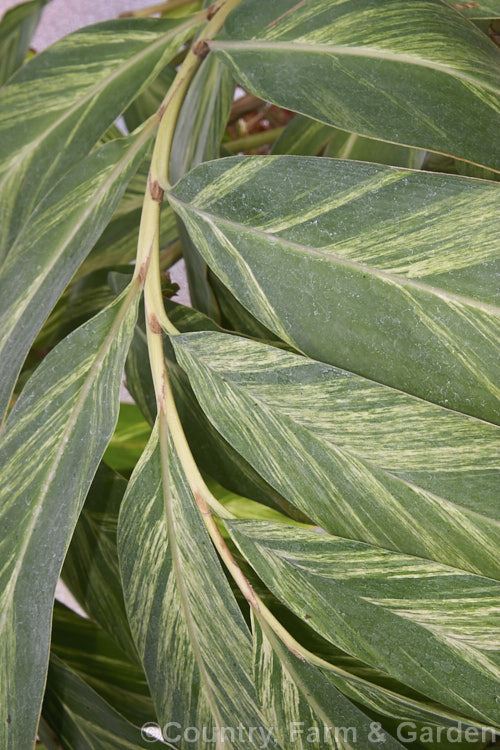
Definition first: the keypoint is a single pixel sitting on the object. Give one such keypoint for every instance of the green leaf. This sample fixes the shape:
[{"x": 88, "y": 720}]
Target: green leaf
[
  {"x": 129, "y": 439},
  {"x": 80, "y": 718},
  {"x": 52, "y": 245},
  {"x": 89, "y": 651},
  {"x": 212, "y": 453},
  {"x": 198, "y": 134},
  {"x": 385, "y": 272},
  {"x": 303, "y": 136},
  {"x": 362, "y": 460},
  {"x": 304, "y": 709},
  {"x": 16, "y": 32},
  {"x": 412, "y": 73},
  {"x": 430, "y": 626},
  {"x": 181, "y": 610},
  {"x": 91, "y": 564},
  {"x": 70, "y": 94},
  {"x": 51, "y": 447},
  {"x": 149, "y": 99}
]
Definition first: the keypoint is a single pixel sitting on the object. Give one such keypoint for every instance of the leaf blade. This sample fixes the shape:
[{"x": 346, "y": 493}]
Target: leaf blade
[{"x": 56, "y": 423}]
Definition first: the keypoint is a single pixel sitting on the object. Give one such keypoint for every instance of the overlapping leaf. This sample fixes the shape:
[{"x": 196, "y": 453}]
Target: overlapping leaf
[
  {"x": 385, "y": 272},
  {"x": 431, "y": 626},
  {"x": 212, "y": 453},
  {"x": 190, "y": 634},
  {"x": 200, "y": 127},
  {"x": 65, "y": 98},
  {"x": 362, "y": 460},
  {"x": 51, "y": 447},
  {"x": 91, "y": 564},
  {"x": 79, "y": 716},
  {"x": 412, "y": 73},
  {"x": 94, "y": 656},
  {"x": 304, "y": 709},
  {"x": 16, "y": 32},
  {"x": 52, "y": 245}
]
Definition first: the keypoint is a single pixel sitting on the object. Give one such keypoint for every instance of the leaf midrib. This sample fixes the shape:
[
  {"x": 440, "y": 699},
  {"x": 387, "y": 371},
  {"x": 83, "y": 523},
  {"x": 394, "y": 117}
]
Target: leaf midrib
[
  {"x": 97, "y": 89},
  {"x": 51, "y": 470},
  {"x": 334, "y": 258},
  {"x": 21, "y": 307},
  {"x": 338, "y": 49}
]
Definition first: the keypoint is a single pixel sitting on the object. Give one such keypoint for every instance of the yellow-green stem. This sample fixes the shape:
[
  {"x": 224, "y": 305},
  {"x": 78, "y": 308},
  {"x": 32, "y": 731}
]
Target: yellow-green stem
[{"x": 158, "y": 8}]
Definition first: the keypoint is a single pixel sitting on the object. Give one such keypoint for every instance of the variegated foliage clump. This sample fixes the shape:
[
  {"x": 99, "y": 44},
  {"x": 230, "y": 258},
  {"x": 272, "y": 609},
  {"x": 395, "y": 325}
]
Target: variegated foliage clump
[{"x": 291, "y": 538}]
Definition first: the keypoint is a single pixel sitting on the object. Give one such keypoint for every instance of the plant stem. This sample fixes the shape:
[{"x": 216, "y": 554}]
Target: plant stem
[
  {"x": 253, "y": 141},
  {"x": 158, "y": 8}
]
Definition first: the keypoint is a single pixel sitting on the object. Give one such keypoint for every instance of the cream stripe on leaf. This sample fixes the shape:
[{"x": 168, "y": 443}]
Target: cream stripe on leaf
[
  {"x": 360, "y": 459},
  {"x": 417, "y": 73},
  {"x": 82, "y": 718},
  {"x": 385, "y": 272},
  {"x": 91, "y": 564},
  {"x": 65, "y": 98},
  {"x": 190, "y": 634},
  {"x": 401, "y": 614},
  {"x": 198, "y": 134},
  {"x": 94, "y": 656},
  {"x": 50, "y": 449},
  {"x": 302, "y": 706},
  {"x": 17, "y": 27},
  {"x": 212, "y": 453},
  {"x": 53, "y": 243}
]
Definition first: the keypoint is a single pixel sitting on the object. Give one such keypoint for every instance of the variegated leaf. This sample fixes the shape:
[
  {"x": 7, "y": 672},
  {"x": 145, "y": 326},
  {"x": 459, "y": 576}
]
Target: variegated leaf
[
  {"x": 16, "y": 32},
  {"x": 189, "y": 632},
  {"x": 212, "y": 453},
  {"x": 431, "y": 626},
  {"x": 362, "y": 460},
  {"x": 412, "y": 73},
  {"x": 304, "y": 709},
  {"x": 199, "y": 130},
  {"x": 385, "y": 272},
  {"x": 80, "y": 718},
  {"x": 94, "y": 656},
  {"x": 68, "y": 95},
  {"x": 307, "y": 137},
  {"x": 91, "y": 564},
  {"x": 51, "y": 447},
  {"x": 53, "y": 243}
]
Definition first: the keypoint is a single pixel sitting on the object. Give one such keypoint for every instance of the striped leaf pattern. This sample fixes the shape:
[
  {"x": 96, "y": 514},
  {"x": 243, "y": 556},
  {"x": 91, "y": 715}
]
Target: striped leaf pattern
[
  {"x": 68, "y": 95},
  {"x": 52, "y": 245},
  {"x": 304, "y": 709},
  {"x": 94, "y": 656},
  {"x": 199, "y": 130},
  {"x": 212, "y": 453},
  {"x": 16, "y": 32},
  {"x": 362, "y": 460},
  {"x": 385, "y": 272},
  {"x": 189, "y": 632},
  {"x": 307, "y": 137},
  {"x": 51, "y": 447},
  {"x": 81, "y": 718},
  {"x": 431, "y": 626},
  {"x": 412, "y": 73},
  {"x": 91, "y": 564}
]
